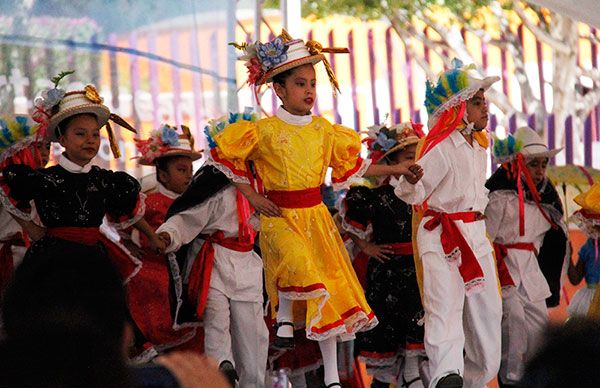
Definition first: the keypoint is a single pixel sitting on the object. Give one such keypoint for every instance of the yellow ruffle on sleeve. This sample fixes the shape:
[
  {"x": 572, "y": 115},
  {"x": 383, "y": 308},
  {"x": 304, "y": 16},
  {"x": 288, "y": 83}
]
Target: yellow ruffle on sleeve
[
  {"x": 237, "y": 144},
  {"x": 345, "y": 157}
]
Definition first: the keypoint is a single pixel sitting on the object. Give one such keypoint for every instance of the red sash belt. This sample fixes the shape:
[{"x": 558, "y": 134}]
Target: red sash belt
[
  {"x": 81, "y": 235},
  {"x": 501, "y": 253},
  {"x": 199, "y": 282},
  {"x": 296, "y": 199},
  {"x": 456, "y": 247},
  {"x": 7, "y": 259}
]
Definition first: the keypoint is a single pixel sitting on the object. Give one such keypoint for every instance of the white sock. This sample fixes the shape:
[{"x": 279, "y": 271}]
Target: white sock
[
  {"x": 411, "y": 370},
  {"x": 329, "y": 352},
  {"x": 285, "y": 314}
]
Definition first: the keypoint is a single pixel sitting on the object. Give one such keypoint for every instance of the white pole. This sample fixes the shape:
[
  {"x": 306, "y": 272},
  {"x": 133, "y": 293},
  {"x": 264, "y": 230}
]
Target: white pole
[
  {"x": 291, "y": 15},
  {"x": 232, "y": 100},
  {"x": 257, "y": 28}
]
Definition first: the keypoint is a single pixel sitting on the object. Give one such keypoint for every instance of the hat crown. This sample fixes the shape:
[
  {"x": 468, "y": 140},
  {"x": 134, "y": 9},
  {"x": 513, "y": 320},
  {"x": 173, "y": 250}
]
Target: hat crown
[
  {"x": 449, "y": 83},
  {"x": 383, "y": 141},
  {"x": 532, "y": 143},
  {"x": 166, "y": 141}
]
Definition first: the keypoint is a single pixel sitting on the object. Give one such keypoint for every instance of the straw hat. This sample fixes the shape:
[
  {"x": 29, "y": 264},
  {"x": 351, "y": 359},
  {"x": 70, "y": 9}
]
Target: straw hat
[
  {"x": 297, "y": 54},
  {"x": 78, "y": 102},
  {"x": 166, "y": 142},
  {"x": 532, "y": 144},
  {"x": 54, "y": 105},
  {"x": 453, "y": 87},
  {"x": 265, "y": 60},
  {"x": 383, "y": 141}
]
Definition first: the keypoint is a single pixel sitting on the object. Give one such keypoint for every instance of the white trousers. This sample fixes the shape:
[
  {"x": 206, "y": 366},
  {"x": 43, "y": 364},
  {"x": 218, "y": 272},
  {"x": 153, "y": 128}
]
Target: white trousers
[
  {"x": 455, "y": 322},
  {"x": 523, "y": 323},
  {"x": 236, "y": 331}
]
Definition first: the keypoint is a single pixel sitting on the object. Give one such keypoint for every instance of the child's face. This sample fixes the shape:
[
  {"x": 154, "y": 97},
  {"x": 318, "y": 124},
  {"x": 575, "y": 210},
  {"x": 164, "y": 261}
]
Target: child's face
[
  {"x": 178, "y": 174},
  {"x": 537, "y": 169},
  {"x": 477, "y": 112},
  {"x": 41, "y": 152},
  {"x": 298, "y": 92},
  {"x": 81, "y": 139},
  {"x": 406, "y": 155}
]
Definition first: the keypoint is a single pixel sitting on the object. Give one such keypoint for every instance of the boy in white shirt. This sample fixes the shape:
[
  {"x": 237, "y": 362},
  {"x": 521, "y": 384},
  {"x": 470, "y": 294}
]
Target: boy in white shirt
[
  {"x": 519, "y": 224},
  {"x": 460, "y": 286}
]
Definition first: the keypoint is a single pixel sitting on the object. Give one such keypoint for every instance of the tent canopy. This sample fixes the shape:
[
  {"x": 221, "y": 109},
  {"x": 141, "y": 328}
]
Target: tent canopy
[{"x": 583, "y": 10}]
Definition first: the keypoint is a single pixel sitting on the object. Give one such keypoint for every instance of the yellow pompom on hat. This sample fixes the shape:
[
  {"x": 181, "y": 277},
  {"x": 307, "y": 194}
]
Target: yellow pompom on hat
[
  {"x": 588, "y": 217},
  {"x": 590, "y": 200}
]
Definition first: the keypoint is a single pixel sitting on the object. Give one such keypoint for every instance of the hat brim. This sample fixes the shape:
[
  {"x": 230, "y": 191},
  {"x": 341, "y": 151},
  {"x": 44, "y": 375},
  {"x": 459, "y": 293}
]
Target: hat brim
[
  {"x": 546, "y": 154},
  {"x": 268, "y": 77},
  {"x": 409, "y": 141},
  {"x": 101, "y": 112},
  {"x": 194, "y": 155},
  {"x": 486, "y": 82}
]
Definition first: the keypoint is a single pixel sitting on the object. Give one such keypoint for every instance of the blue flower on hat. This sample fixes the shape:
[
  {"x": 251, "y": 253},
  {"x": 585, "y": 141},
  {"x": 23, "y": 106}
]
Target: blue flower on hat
[
  {"x": 385, "y": 142},
  {"x": 272, "y": 53},
  {"x": 169, "y": 136}
]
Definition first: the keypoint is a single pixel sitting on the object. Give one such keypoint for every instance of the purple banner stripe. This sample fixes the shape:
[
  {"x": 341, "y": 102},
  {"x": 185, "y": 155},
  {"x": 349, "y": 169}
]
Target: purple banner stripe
[
  {"x": 569, "y": 139},
  {"x": 353, "y": 81},
  {"x": 372, "y": 66}
]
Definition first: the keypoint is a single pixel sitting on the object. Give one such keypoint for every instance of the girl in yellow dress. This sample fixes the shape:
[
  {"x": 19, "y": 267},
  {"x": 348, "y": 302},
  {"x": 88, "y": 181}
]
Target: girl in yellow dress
[{"x": 304, "y": 256}]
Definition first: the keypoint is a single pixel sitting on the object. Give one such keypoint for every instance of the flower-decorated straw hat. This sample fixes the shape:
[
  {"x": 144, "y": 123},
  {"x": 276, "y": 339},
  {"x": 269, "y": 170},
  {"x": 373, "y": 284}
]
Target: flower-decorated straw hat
[
  {"x": 265, "y": 60},
  {"x": 55, "y": 104},
  {"x": 164, "y": 142},
  {"x": 453, "y": 87},
  {"x": 383, "y": 141}
]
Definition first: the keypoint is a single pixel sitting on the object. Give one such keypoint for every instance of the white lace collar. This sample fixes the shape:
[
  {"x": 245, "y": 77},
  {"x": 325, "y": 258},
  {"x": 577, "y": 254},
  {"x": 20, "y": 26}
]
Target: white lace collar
[
  {"x": 65, "y": 163},
  {"x": 166, "y": 192},
  {"x": 289, "y": 118}
]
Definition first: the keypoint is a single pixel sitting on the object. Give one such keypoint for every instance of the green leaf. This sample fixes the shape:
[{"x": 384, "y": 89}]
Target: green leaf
[{"x": 60, "y": 76}]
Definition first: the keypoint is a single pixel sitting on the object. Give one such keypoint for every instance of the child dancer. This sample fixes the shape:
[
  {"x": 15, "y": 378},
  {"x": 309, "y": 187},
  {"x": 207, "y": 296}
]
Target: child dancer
[
  {"x": 459, "y": 282},
  {"x": 172, "y": 155},
  {"x": 523, "y": 206},
  {"x": 588, "y": 267},
  {"x": 217, "y": 276},
  {"x": 381, "y": 226},
  {"x": 305, "y": 258},
  {"x": 72, "y": 197},
  {"x": 19, "y": 144}
]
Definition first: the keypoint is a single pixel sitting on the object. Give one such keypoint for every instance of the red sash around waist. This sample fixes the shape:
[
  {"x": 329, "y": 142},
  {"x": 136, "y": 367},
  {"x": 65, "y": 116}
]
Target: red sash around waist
[
  {"x": 81, "y": 235},
  {"x": 199, "y": 281},
  {"x": 456, "y": 247},
  {"x": 501, "y": 253},
  {"x": 295, "y": 199}
]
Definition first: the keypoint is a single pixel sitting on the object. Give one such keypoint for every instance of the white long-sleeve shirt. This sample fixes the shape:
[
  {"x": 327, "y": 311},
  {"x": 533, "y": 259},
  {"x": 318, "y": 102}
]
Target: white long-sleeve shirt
[
  {"x": 236, "y": 274},
  {"x": 454, "y": 174},
  {"x": 502, "y": 220}
]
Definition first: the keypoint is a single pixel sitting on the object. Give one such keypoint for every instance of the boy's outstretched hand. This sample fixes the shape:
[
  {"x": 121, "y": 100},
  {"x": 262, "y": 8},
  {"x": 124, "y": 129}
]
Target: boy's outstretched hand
[
  {"x": 411, "y": 171},
  {"x": 416, "y": 173}
]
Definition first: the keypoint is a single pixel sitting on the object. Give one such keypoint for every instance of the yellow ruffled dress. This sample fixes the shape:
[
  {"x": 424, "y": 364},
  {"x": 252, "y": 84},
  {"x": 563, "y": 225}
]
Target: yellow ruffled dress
[{"x": 304, "y": 256}]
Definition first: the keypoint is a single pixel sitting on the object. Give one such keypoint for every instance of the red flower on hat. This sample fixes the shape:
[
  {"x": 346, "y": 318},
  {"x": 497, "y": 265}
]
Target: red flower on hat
[{"x": 255, "y": 71}]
